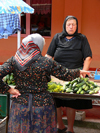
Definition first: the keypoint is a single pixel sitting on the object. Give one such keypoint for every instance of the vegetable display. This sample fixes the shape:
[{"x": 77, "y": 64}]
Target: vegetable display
[{"x": 78, "y": 85}]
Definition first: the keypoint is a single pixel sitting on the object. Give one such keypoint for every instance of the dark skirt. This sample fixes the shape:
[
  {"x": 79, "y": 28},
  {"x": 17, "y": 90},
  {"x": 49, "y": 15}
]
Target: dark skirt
[
  {"x": 43, "y": 119},
  {"x": 73, "y": 103}
]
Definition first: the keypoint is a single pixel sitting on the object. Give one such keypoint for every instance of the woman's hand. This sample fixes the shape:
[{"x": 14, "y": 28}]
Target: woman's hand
[
  {"x": 14, "y": 92},
  {"x": 83, "y": 73}
]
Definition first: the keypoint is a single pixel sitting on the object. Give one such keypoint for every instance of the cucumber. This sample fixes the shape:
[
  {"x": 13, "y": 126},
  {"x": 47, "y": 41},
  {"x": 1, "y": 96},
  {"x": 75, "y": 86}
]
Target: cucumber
[
  {"x": 91, "y": 87},
  {"x": 75, "y": 89},
  {"x": 68, "y": 90},
  {"x": 80, "y": 84},
  {"x": 91, "y": 82},
  {"x": 87, "y": 83},
  {"x": 82, "y": 92},
  {"x": 87, "y": 91},
  {"x": 75, "y": 80},
  {"x": 86, "y": 79},
  {"x": 64, "y": 87},
  {"x": 91, "y": 92},
  {"x": 86, "y": 88},
  {"x": 67, "y": 83},
  {"x": 79, "y": 90},
  {"x": 74, "y": 84},
  {"x": 96, "y": 89}
]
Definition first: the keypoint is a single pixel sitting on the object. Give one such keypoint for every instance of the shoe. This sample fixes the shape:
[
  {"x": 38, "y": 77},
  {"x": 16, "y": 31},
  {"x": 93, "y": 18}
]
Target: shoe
[
  {"x": 70, "y": 132},
  {"x": 61, "y": 130}
]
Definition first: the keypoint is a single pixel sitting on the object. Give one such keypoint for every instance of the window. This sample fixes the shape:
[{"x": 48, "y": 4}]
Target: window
[
  {"x": 23, "y": 23},
  {"x": 40, "y": 20}
]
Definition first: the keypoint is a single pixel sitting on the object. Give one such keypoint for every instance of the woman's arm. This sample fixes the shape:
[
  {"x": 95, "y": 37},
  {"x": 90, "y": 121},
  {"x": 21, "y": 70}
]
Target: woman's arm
[
  {"x": 48, "y": 56},
  {"x": 87, "y": 63},
  {"x": 63, "y": 73},
  {"x": 5, "y": 69}
]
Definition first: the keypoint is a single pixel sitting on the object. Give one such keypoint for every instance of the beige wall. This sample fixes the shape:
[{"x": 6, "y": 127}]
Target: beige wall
[{"x": 87, "y": 12}]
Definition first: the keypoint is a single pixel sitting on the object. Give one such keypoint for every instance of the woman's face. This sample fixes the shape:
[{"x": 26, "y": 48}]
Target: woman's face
[{"x": 71, "y": 26}]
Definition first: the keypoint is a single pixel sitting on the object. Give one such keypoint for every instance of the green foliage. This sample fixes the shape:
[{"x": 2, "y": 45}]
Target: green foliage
[
  {"x": 54, "y": 87},
  {"x": 9, "y": 79}
]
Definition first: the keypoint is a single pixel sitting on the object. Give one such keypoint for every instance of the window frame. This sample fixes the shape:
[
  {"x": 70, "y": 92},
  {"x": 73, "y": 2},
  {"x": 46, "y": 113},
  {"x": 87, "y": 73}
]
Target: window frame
[{"x": 28, "y": 24}]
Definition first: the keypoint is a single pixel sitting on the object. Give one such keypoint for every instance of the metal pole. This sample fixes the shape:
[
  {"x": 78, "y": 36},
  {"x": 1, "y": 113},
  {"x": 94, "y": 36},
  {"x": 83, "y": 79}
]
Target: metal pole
[{"x": 18, "y": 34}]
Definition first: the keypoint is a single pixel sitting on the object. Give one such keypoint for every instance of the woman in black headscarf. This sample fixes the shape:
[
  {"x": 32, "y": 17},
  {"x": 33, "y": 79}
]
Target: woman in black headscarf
[
  {"x": 72, "y": 50},
  {"x": 32, "y": 109}
]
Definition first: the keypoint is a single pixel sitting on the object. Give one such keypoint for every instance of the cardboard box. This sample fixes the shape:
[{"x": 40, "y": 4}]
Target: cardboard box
[{"x": 80, "y": 115}]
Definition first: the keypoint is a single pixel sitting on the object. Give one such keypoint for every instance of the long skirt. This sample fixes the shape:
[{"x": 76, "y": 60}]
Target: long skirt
[{"x": 43, "y": 119}]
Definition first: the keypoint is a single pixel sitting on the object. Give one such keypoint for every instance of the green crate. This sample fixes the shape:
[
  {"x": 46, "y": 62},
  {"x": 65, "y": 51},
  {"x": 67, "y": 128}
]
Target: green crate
[{"x": 3, "y": 104}]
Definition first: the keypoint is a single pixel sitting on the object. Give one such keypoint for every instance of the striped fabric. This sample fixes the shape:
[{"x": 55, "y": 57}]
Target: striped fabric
[
  {"x": 27, "y": 54},
  {"x": 9, "y": 25}
]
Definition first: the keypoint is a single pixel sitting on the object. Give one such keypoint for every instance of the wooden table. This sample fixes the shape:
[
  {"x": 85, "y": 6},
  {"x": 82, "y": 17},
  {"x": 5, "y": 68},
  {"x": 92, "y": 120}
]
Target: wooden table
[{"x": 75, "y": 96}]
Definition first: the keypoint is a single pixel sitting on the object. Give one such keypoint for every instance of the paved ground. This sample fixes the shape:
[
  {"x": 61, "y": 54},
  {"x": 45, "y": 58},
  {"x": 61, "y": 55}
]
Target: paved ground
[
  {"x": 85, "y": 130},
  {"x": 86, "y": 126}
]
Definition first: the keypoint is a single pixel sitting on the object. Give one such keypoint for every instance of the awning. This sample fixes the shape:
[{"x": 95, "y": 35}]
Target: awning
[
  {"x": 14, "y": 6},
  {"x": 9, "y": 24}
]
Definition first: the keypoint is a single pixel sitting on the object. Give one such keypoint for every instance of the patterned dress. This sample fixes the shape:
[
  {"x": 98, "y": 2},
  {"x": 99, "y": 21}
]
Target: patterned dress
[{"x": 34, "y": 110}]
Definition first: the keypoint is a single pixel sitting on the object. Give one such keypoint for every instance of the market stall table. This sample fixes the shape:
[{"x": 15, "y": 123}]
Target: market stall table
[{"x": 74, "y": 95}]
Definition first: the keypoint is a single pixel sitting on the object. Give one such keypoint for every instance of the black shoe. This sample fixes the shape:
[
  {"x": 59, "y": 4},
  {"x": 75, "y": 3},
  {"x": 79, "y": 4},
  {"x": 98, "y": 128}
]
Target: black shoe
[
  {"x": 62, "y": 130},
  {"x": 70, "y": 132}
]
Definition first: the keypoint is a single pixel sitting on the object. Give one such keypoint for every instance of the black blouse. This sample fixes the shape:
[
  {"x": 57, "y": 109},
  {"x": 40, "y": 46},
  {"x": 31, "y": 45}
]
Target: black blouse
[{"x": 70, "y": 53}]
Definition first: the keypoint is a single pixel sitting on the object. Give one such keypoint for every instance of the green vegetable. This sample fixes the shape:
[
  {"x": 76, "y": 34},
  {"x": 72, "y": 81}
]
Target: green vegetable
[
  {"x": 80, "y": 89},
  {"x": 74, "y": 84},
  {"x": 86, "y": 88},
  {"x": 82, "y": 92},
  {"x": 69, "y": 90},
  {"x": 96, "y": 89},
  {"x": 86, "y": 79},
  {"x": 75, "y": 80},
  {"x": 91, "y": 92},
  {"x": 75, "y": 89},
  {"x": 80, "y": 84}
]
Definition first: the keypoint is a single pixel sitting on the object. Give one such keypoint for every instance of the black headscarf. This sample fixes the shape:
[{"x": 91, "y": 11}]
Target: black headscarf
[{"x": 64, "y": 32}]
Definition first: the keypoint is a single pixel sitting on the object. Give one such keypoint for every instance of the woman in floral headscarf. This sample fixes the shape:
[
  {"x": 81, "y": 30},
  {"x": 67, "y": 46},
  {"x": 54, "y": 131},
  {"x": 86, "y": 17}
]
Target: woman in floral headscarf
[{"x": 32, "y": 109}]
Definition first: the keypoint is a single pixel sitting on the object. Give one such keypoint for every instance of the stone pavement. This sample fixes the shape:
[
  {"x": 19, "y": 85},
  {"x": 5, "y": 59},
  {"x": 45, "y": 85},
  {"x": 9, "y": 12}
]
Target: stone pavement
[
  {"x": 85, "y": 126},
  {"x": 85, "y": 130}
]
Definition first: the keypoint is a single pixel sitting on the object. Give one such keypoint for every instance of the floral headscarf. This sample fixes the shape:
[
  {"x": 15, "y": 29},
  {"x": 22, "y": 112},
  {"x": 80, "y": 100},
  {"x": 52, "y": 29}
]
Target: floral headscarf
[{"x": 29, "y": 51}]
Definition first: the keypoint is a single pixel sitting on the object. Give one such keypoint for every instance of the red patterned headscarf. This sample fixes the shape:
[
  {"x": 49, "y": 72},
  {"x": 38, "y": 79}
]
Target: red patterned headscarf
[{"x": 29, "y": 51}]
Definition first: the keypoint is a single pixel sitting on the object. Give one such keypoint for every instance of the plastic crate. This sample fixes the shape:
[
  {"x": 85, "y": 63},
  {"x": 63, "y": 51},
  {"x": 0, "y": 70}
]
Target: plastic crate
[
  {"x": 97, "y": 74},
  {"x": 3, "y": 105}
]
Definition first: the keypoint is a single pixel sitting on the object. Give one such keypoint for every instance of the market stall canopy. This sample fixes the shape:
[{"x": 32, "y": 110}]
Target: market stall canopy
[
  {"x": 9, "y": 25},
  {"x": 14, "y": 6}
]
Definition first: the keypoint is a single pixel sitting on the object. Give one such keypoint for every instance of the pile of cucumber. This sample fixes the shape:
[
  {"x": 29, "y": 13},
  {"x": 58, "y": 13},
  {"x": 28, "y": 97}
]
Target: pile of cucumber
[
  {"x": 81, "y": 86},
  {"x": 9, "y": 79}
]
